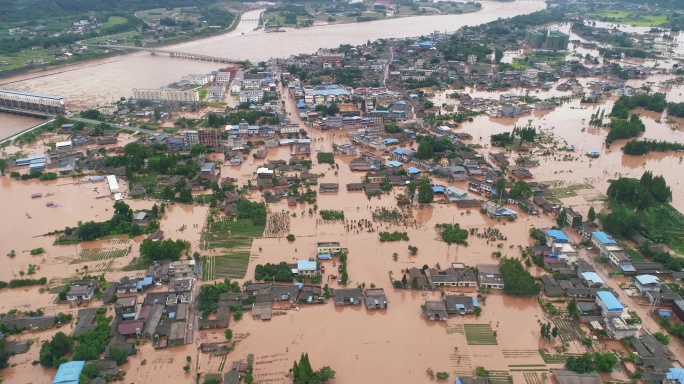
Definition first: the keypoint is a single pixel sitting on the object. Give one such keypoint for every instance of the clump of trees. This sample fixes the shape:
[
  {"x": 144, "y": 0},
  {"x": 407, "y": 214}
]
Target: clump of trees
[
  {"x": 393, "y": 236},
  {"x": 601, "y": 362},
  {"x": 166, "y": 249},
  {"x": 453, "y": 233},
  {"x": 208, "y": 297},
  {"x": 426, "y": 194},
  {"x": 331, "y": 214},
  {"x": 642, "y": 193},
  {"x": 302, "y": 373},
  {"x": 675, "y": 109},
  {"x": 269, "y": 272},
  {"x": 55, "y": 352},
  {"x": 642, "y": 147},
  {"x": 252, "y": 210},
  {"x": 120, "y": 223},
  {"x": 651, "y": 102},
  {"x": 517, "y": 280},
  {"x": 625, "y": 128}
]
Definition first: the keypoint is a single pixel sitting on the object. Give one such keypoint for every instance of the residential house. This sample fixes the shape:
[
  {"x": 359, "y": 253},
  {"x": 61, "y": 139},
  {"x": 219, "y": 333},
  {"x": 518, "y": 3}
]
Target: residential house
[
  {"x": 311, "y": 294},
  {"x": 619, "y": 329},
  {"x": 489, "y": 276},
  {"x": 285, "y": 292},
  {"x": 307, "y": 267},
  {"x": 609, "y": 304},
  {"x": 126, "y": 306},
  {"x": 350, "y": 296},
  {"x": 436, "y": 310},
  {"x": 647, "y": 283},
  {"x": 460, "y": 304},
  {"x": 375, "y": 298},
  {"x": 573, "y": 219},
  {"x": 82, "y": 289}
]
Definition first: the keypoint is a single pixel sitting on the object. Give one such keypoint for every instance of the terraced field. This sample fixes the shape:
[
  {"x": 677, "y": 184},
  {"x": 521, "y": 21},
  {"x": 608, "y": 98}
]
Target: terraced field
[
  {"x": 98, "y": 254},
  {"x": 480, "y": 334},
  {"x": 500, "y": 377},
  {"x": 554, "y": 359}
]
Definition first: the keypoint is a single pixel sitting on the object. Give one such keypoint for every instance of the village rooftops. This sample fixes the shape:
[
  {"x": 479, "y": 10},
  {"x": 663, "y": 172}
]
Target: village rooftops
[
  {"x": 436, "y": 310},
  {"x": 569, "y": 377},
  {"x": 351, "y": 296},
  {"x": 375, "y": 298}
]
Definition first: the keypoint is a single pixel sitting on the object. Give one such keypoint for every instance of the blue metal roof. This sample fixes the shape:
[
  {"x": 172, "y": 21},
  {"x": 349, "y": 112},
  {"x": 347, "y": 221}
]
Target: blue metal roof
[
  {"x": 627, "y": 268},
  {"x": 391, "y": 141},
  {"x": 475, "y": 303},
  {"x": 676, "y": 374},
  {"x": 306, "y": 264},
  {"x": 603, "y": 238},
  {"x": 647, "y": 279},
  {"x": 394, "y": 164},
  {"x": 593, "y": 277},
  {"x": 610, "y": 301},
  {"x": 437, "y": 189},
  {"x": 398, "y": 151},
  {"x": 324, "y": 256},
  {"x": 559, "y": 235},
  {"x": 664, "y": 313},
  {"x": 31, "y": 94},
  {"x": 68, "y": 373},
  {"x": 413, "y": 170}
]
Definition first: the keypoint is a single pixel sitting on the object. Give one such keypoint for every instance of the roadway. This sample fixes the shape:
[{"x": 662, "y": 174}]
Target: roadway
[{"x": 90, "y": 121}]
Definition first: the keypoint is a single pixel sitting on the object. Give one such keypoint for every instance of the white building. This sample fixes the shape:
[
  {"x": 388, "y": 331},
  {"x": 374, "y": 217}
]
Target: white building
[
  {"x": 609, "y": 304},
  {"x": 113, "y": 184},
  {"x": 306, "y": 267},
  {"x": 190, "y": 138},
  {"x": 647, "y": 283},
  {"x": 618, "y": 329},
  {"x": 253, "y": 96},
  {"x": 107, "y": 109},
  {"x": 217, "y": 93},
  {"x": 223, "y": 78},
  {"x": 64, "y": 146},
  {"x": 289, "y": 129},
  {"x": 190, "y": 95},
  {"x": 198, "y": 79}
]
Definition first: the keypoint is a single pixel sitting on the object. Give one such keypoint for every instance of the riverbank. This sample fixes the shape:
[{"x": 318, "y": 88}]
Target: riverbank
[{"x": 93, "y": 84}]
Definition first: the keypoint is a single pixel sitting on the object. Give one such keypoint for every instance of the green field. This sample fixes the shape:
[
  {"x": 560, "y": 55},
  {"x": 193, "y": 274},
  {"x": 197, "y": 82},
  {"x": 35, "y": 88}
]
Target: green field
[
  {"x": 137, "y": 264},
  {"x": 98, "y": 254},
  {"x": 233, "y": 266},
  {"x": 233, "y": 241},
  {"x": 18, "y": 60},
  {"x": 115, "y": 20},
  {"x": 554, "y": 359},
  {"x": 479, "y": 334},
  {"x": 631, "y": 18},
  {"x": 499, "y": 377}
]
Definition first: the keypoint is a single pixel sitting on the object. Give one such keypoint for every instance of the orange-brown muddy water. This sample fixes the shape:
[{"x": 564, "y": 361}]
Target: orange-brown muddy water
[{"x": 396, "y": 344}]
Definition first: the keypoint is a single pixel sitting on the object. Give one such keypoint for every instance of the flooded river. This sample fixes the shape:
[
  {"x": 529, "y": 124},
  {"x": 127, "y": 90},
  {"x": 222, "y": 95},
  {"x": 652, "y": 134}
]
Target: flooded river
[{"x": 87, "y": 84}]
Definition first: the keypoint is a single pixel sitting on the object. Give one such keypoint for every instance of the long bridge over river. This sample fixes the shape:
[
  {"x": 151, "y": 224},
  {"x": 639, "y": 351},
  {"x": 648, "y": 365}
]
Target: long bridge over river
[{"x": 172, "y": 53}]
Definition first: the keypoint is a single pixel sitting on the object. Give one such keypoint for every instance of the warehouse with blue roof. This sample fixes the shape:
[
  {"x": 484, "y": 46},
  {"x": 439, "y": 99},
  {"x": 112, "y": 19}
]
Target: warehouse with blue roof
[
  {"x": 69, "y": 372},
  {"x": 555, "y": 236},
  {"x": 609, "y": 304}
]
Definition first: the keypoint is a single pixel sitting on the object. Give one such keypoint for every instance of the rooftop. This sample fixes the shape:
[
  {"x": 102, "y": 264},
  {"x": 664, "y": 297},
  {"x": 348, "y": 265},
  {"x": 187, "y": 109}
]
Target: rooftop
[
  {"x": 647, "y": 279},
  {"x": 611, "y": 302},
  {"x": 603, "y": 238},
  {"x": 593, "y": 277}
]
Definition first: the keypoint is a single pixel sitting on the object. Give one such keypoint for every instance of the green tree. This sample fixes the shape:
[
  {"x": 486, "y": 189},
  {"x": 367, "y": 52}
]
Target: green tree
[
  {"x": 573, "y": 309},
  {"x": 498, "y": 55},
  {"x": 520, "y": 189},
  {"x": 662, "y": 338},
  {"x": 3, "y": 166},
  {"x": 425, "y": 150},
  {"x": 560, "y": 220},
  {"x": 592, "y": 214},
  {"x": 198, "y": 149},
  {"x": 404, "y": 281},
  {"x": 425, "y": 192},
  {"x": 229, "y": 334},
  {"x": 119, "y": 355}
]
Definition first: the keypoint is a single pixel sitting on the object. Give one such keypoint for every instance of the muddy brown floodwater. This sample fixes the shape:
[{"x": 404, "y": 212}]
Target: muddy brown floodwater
[{"x": 396, "y": 344}]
